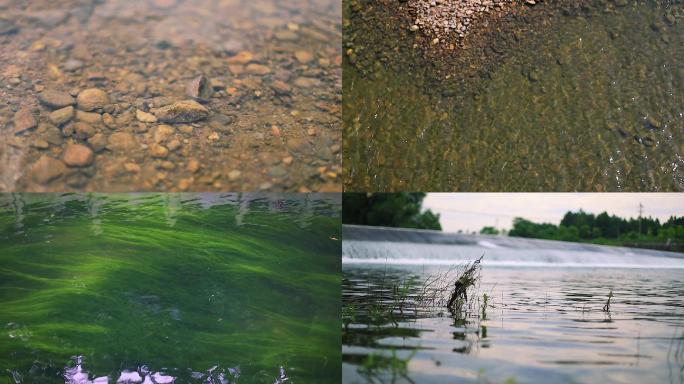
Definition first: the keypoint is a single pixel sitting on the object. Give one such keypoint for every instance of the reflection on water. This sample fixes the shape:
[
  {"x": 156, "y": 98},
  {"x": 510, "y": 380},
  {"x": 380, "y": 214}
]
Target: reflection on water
[
  {"x": 186, "y": 288},
  {"x": 565, "y": 99},
  {"x": 540, "y": 325},
  {"x": 271, "y": 89}
]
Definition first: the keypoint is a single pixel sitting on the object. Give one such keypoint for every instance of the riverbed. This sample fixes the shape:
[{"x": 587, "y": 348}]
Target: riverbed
[
  {"x": 553, "y": 97},
  {"x": 253, "y": 88}
]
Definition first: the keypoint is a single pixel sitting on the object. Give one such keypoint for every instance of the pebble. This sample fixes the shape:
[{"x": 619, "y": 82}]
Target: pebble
[
  {"x": 243, "y": 57},
  {"x": 258, "y": 69},
  {"x": 73, "y": 65},
  {"x": 187, "y": 111},
  {"x": 199, "y": 89},
  {"x": 132, "y": 168},
  {"x": 40, "y": 144},
  {"x": 55, "y": 99},
  {"x": 47, "y": 169},
  {"x": 159, "y": 151},
  {"x": 98, "y": 142},
  {"x": 304, "y": 57},
  {"x": 167, "y": 165},
  {"x": 306, "y": 82},
  {"x": 193, "y": 166},
  {"x": 24, "y": 120},
  {"x": 92, "y": 99},
  {"x": 83, "y": 130},
  {"x": 88, "y": 117},
  {"x": 281, "y": 88},
  {"x": 77, "y": 155},
  {"x": 174, "y": 145},
  {"x": 162, "y": 133},
  {"x": 54, "y": 136},
  {"x": 122, "y": 141},
  {"x": 653, "y": 123},
  {"x": 61, "y": 116},
  {"x": 286, "y": 36},
  {"x": 234, "y": 175},
  {"x": 108, "y": 121},
  {"x": 534, "y": 75},
  {"x": 145, "y": 117}
]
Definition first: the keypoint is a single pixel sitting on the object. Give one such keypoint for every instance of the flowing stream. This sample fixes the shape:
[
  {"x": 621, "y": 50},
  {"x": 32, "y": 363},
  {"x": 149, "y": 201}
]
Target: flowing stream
[{"x": 185, "y": 288}]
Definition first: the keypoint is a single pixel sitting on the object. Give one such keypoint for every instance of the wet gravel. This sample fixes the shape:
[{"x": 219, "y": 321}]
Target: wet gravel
[{"x": 170, "y": 95}]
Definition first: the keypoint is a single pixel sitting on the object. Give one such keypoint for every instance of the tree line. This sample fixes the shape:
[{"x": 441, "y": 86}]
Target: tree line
[
  {"x": 604, "y": 229},
  {"x": 388, "y": 210}
]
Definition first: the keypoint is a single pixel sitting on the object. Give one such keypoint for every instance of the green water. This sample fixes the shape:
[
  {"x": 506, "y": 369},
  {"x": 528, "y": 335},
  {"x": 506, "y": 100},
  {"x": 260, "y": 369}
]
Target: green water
[
  {"x": 591, "y": 100},
  {"x": 176, "y": 284}
]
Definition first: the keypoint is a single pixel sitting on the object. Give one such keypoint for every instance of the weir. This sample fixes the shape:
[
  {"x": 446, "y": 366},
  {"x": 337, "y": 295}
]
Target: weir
[{"x": 381, "y": 245}]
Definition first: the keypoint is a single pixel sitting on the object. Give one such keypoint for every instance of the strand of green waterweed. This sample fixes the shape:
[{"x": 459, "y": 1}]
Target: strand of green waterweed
[{"x": 46, "y": 348}]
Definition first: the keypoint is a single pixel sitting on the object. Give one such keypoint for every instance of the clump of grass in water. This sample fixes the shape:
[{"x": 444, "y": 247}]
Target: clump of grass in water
[
  {"x": 467, "y": 279},
  {"x": 606, "y": 308}
]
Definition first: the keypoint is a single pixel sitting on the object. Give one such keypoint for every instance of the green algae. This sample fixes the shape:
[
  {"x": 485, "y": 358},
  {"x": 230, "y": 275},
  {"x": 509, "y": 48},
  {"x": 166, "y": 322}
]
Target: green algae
[{"x": 179, "y": 283}]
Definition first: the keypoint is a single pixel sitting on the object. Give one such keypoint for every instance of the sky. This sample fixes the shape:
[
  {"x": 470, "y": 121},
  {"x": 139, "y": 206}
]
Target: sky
[{"x": 472, "y": 211}]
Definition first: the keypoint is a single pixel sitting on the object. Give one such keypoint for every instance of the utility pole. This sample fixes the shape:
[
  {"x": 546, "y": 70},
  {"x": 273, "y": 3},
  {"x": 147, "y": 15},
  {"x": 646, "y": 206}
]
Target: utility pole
[{"x": 641, "y": 210}]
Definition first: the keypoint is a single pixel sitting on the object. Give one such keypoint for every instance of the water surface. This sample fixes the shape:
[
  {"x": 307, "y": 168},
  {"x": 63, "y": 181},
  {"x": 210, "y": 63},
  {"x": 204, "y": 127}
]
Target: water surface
[{"x": 544, "y": 321}]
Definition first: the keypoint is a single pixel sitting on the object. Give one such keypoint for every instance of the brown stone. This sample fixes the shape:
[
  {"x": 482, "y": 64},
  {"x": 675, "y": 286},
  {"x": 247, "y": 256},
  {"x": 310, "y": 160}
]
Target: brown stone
[
  {"x": 83, "y": 130},
  {"x": 77, "y": 155},
  {"x": 92, "y": 99},
  {"x": 24, "y": 120},
  {"x": 61, "y": 116},
  {"x": 47, "y": 169},
  {"x": 187, "y": 111},
  {"x": 122, "y": 141},
  {"x": 159, "y": 151},
  {"x": 55, "y": 99}
]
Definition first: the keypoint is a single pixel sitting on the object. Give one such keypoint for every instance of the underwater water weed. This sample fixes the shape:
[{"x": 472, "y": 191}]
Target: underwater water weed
[
  {"x": 348, "y": 315},
  {"x": 212, "y": 286},
  {"x": 376, "y": 366}
]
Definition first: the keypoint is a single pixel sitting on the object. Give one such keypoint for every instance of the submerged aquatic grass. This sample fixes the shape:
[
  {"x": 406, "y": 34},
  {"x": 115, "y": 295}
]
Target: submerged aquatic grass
[{"x": 176, "y": 283}]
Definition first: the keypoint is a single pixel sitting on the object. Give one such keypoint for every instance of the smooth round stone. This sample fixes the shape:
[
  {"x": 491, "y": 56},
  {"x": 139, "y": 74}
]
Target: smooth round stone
[
  {"x": 61, "y": 116},
  {"x": 55, "y": 99},
  {"x": 77, "y": 155},
  {"x": 92, "y": 99}
]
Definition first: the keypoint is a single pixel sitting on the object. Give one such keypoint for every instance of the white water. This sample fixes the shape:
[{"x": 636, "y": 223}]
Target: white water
[{"x": 498, "y": 251}]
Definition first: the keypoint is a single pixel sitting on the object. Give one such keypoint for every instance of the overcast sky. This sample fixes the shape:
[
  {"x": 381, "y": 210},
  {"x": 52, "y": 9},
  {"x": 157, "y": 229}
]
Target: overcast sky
[{"x": 472, "y": 211}]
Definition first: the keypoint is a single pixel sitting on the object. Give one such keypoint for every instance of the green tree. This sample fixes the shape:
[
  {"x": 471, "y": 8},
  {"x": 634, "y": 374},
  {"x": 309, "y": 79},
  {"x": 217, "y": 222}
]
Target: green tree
[
  {"x": 489, "y": 231},
  {"x": 388, "y": 209}
]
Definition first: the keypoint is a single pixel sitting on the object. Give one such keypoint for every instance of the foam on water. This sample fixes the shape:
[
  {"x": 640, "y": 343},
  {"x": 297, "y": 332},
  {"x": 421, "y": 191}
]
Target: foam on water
[{"x": 535, "y": 254}]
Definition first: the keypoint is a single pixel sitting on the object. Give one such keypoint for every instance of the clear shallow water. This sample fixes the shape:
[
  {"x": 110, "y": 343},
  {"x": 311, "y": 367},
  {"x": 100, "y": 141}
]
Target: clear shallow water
[
  {"x": 588, "y": 101},
  {"x": 544, "y": 324},
  {"x": 184, "y": 287}
]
